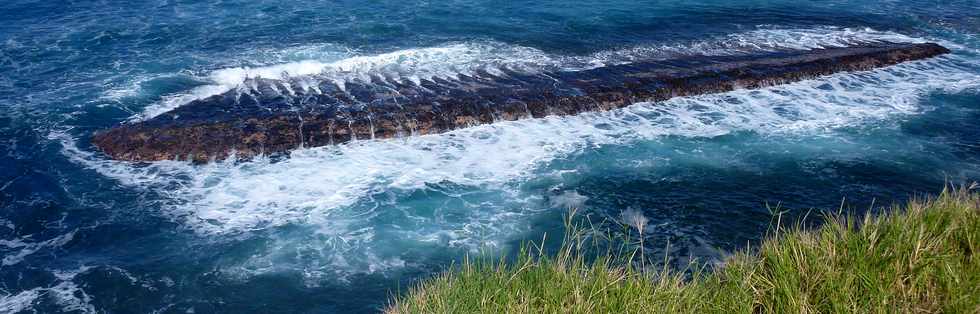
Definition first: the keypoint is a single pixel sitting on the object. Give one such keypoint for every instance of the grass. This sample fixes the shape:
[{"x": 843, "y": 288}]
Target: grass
[{"x": 918, "y": 258}]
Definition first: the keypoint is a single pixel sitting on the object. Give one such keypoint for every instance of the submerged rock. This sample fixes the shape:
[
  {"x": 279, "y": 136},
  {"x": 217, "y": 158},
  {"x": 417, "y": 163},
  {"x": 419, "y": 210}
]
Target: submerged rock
[{"x": 271, "y": 116}]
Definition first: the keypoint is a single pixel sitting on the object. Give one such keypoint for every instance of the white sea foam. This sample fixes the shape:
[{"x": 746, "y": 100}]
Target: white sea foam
[
  {"x": 16, "y": 303},
  {"x": 763, "y": 39},
  {"x": 408, "y": 64},
  {"x": 65, "y": 293},
  {"x": 342, "y": 64},
  {"x": 24, "y": 247},
  {"x": 335, "y": 191}
]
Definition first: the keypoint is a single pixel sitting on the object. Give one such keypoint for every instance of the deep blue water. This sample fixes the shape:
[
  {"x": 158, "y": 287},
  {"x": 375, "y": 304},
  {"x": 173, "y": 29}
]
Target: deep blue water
[{"x": 340, "y": 229}]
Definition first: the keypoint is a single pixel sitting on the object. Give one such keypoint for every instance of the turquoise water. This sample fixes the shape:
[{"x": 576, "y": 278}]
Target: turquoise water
[{"x": 340, "y": 229}]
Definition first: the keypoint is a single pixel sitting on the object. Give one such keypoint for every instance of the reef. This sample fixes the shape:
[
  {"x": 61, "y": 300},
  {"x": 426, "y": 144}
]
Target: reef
[{"x": 265, "y": 116}]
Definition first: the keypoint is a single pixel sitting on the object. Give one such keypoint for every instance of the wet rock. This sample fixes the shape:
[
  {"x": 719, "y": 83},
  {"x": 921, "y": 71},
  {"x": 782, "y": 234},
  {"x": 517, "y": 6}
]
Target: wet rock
[{"x": 268, "y": 116}]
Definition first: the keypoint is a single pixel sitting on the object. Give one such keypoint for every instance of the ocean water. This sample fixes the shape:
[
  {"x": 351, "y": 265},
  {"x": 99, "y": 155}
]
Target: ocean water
[{"x": 342, "y": 229}]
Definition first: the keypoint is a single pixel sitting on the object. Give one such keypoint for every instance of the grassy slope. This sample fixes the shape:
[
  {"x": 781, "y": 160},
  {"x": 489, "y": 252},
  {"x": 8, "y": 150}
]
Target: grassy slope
[{"x": 922, "y": 257}]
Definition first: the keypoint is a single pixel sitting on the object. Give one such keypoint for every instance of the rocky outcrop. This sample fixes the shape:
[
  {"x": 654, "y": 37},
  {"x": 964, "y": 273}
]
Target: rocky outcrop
[{"x": 271, "y": 116}]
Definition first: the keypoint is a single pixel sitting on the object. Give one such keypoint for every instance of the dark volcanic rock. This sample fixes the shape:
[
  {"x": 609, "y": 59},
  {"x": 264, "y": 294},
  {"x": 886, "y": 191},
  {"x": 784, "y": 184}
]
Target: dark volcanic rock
[{"x": 269, "y": 116}]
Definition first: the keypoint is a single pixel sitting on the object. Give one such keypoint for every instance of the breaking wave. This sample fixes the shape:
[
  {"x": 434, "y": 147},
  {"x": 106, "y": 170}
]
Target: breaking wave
[{"x": 341, "y": 64}]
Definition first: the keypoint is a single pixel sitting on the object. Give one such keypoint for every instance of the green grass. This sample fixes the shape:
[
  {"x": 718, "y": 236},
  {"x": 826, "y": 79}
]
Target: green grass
[{"x": 918, "y": 258}]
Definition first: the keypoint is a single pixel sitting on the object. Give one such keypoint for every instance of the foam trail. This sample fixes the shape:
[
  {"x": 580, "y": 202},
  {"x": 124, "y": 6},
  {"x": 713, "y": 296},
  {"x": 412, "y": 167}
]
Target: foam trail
[{"x": 26, "y": 248}]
